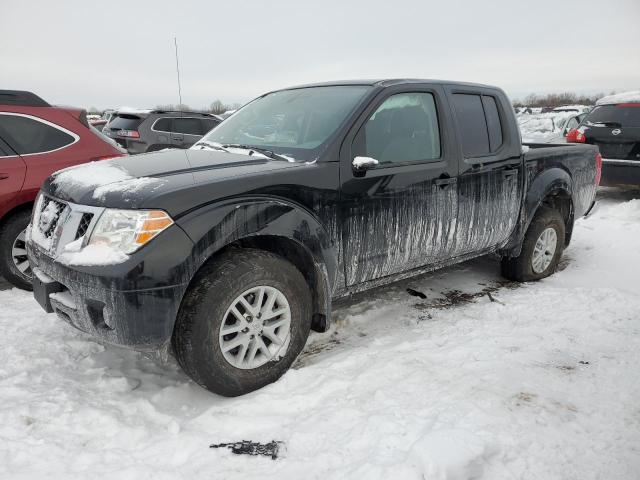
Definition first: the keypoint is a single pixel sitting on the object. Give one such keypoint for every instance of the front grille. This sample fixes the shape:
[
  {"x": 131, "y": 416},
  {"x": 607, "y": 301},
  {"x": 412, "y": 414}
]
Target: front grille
[
  {"x": 50, "y": 214},
  {"x": 85, "y": 221}
]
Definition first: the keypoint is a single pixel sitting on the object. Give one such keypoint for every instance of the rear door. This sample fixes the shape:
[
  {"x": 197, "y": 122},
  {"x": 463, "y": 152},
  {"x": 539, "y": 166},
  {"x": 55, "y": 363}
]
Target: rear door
[
  {"x": 44, "y": 147},
  {"x": 615, "y": 129},
  {"x": 185, "y": 131},
  {"x": 401, "y": 214},
  {"x": 12, "y": 173},
  {"x": 490, "y": 179}
]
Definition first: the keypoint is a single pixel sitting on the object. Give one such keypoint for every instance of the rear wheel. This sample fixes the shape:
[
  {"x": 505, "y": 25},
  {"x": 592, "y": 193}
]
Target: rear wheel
[
  {"x": 541, "y": 248},
  {"x": 14, "y": 265},
  {"x": 243, "y": 321}
]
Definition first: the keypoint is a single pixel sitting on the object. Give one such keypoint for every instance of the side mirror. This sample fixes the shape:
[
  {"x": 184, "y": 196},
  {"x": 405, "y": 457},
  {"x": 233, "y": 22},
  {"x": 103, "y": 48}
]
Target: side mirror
[{"x": 362, "y": 164}]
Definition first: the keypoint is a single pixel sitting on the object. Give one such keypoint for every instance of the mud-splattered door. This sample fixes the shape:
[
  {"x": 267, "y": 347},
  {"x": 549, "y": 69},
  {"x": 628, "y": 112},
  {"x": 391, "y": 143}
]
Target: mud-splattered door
[
  {"x": 490, "y": 180},
  {"x": 401, "y": 213}
]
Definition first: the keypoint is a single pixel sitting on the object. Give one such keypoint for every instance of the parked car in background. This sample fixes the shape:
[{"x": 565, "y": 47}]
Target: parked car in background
[
  {"x": 36, "y": 139},
  {"x": 142, "y": 131},
  {"x": 233, "y": 250},
  {"x": 614, "y": 126},
  {"x": 551, "y": 127},
  {"x": 96, "y": 121}
]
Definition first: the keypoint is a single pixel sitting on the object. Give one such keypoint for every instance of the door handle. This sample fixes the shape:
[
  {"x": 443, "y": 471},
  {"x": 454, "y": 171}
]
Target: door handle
[
  {"x": 4, "y": 176},
  {"x": 509, "y": 172},
  {"x": 444, "y": 182}
]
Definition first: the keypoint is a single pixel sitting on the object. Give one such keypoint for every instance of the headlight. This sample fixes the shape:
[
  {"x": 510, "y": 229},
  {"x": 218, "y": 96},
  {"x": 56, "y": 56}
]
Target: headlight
[{"x": 128, "y": 230}]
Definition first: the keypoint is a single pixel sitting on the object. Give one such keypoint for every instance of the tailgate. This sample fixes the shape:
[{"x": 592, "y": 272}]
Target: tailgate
[
  {"x": 615, "y": 129},
  {"x": 615, "y": 143}
]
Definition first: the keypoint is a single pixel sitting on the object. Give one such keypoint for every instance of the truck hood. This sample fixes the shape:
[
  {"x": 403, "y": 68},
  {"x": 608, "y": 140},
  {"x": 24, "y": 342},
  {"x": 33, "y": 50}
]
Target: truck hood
[{"x": 135, "y": 181}]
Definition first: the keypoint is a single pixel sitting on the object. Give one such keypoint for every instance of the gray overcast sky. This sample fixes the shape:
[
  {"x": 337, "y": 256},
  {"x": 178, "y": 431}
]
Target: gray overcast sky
[{"x": 113, "y": 53}]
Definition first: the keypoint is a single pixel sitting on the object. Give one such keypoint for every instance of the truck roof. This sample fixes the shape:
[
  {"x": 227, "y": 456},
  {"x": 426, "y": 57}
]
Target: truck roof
[{"x": 387, "y": 83}]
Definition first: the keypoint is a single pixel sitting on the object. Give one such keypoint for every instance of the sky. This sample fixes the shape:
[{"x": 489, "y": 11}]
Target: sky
[{"x": 109, "y": 54}]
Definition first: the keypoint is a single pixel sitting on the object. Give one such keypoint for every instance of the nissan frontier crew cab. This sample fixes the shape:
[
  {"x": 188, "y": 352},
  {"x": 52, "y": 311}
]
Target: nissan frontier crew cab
[{"x": 231, "y": 251}]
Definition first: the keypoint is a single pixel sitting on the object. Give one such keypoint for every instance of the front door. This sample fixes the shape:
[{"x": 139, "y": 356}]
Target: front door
[
  {"x": 400, "y": 214},
  {"x": 12, "y": 173}
]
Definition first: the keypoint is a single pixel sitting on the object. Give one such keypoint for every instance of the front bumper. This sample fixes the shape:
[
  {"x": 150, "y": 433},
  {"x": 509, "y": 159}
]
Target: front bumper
[
  {"x": 620, "y": 172},
  {"x": 116, "y": 303}
]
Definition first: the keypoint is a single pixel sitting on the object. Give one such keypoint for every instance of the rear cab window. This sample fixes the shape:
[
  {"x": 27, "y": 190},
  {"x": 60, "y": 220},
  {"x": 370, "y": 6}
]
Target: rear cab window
[
  {"x": 28, "y": 135},
  {"x": 479, "y": 123}
]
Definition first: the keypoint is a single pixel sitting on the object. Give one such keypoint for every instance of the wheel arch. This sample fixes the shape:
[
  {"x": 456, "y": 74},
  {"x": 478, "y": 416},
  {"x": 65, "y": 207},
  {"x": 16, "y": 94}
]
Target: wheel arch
[
  {"x": 552, "y": 188},
  {"x": 26, "y": 206},
  {"x": 278, "y": 226}
]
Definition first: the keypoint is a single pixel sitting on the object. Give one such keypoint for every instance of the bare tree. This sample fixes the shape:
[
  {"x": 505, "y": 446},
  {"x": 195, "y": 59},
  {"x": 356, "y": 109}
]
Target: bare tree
[
  {"x": 217, "y": 107},
  {"x": 557, "y": 100}
]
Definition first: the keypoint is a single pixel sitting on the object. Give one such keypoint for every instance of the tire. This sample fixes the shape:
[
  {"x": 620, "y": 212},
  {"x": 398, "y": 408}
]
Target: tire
[
  {"x": 521, "y": 268},
  {"x": 9, "y": 236},
  {"x": 207, "y": 307}
]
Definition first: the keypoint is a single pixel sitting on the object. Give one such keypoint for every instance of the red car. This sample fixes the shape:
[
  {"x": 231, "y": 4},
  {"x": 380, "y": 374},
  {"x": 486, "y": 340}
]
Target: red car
[{"x": 36, "y": 139}]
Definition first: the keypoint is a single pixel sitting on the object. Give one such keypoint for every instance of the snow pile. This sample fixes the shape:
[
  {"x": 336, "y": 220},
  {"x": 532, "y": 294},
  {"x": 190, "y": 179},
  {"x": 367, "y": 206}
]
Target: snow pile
[
  {"x": 625, "y": 97},
  {"x": 544, "y": 127},
  {"x": 538, "y": 381},
  {"x": 104, "y": 176}
]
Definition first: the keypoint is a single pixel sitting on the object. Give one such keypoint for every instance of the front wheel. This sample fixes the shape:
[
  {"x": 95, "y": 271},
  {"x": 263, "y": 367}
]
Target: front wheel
[
  {"x": 14, "y": 265},
  {"x": 541, "y": 248},
  {"x": 243, "y": 322}
]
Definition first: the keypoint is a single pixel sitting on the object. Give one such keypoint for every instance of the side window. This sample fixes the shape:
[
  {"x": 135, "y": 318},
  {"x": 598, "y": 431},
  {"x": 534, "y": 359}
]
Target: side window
[
  {"x": 162, "y": 125},
  {"x": 27, "y": 135},
  {"x": 572, "y": 123},
  {"x": 187, "y": 126},
  {"x": 473, "y": 126},
  {"x": 403, "y": 129},
  {"x": 209, "y": 124},
  {"x": 494, "y": 126}
]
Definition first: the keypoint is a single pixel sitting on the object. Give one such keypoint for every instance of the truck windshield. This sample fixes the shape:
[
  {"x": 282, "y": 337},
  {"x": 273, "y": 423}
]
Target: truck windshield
[
  {"x": 622, "y": 115},
  {"x": 292, "y": 122}
]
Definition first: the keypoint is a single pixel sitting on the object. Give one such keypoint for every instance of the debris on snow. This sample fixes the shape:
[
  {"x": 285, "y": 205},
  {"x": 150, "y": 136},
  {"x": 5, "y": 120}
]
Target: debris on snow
[
  {"x": 246, "y": 447},
  {"x": 416, "y": 293}
]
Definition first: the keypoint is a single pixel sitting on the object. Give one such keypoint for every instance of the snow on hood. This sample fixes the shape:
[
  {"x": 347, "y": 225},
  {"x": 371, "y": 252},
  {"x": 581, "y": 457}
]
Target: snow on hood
[
  {"x": 102, "y": 176},
  {"x": 624, "y": 97}
]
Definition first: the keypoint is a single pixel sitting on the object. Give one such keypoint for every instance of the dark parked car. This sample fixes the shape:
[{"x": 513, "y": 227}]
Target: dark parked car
[
  {"x": 614, "y": 126},
  {"x": 36, "y": 139},
  {"x": 142, "y": 131},
  {"x": 231, "y": 251}
]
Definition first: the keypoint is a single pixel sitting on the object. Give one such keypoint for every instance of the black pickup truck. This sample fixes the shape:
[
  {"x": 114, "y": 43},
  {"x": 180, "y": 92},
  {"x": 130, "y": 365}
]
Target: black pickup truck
[{"x": 231, "y": 251}]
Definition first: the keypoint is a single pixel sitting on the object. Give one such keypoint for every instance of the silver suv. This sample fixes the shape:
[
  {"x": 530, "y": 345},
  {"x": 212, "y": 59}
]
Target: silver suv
[{"x": 142, "y": 131}]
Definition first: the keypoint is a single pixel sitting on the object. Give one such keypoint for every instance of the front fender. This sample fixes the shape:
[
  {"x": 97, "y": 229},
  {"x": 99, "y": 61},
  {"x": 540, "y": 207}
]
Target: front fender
[{"x": 213, "y": 227}]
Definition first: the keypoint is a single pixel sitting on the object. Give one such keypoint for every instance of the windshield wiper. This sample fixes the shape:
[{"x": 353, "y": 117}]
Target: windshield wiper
[
  {"x": 266, "y": 152},
  {"x": 214, "y": 145}
]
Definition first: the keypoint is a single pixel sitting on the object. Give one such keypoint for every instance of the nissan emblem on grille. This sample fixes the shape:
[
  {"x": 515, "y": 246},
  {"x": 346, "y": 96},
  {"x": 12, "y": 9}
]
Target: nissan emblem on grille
[{"x": 49, "y": 217}]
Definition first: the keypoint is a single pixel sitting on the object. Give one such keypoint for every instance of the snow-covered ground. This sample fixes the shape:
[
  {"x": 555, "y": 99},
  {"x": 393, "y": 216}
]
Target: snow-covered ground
[{"x": 539, "y": 381}]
